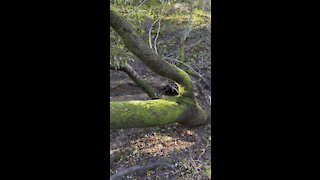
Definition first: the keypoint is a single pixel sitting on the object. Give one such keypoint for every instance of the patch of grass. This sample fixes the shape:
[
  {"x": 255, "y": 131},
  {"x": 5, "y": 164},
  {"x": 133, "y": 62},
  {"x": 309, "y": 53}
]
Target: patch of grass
[{"x": 208, "y": 172}]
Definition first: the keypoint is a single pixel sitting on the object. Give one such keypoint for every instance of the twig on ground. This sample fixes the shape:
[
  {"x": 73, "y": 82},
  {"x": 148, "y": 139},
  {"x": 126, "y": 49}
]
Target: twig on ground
[
  {"x": 171, "y": 53},
  {"x": 203, "y": 151}
]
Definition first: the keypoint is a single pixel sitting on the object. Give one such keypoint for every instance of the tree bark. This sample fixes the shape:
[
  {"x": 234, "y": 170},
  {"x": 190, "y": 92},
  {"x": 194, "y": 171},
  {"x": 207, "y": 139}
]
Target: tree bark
[
  {"x": 142, "y": 114},
  {"x": 137, "y": 79}
]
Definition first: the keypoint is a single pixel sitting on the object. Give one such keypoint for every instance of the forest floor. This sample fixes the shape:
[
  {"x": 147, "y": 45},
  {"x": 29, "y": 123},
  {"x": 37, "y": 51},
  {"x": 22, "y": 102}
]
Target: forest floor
[{"x": 188, "y": 149}]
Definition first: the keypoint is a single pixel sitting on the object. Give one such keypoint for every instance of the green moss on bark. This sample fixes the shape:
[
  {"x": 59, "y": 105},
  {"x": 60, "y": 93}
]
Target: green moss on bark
[{"x": 138, "y": 114}]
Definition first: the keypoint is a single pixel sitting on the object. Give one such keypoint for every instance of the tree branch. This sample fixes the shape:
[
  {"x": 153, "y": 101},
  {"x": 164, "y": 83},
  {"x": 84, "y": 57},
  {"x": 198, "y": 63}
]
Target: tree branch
[
  {"x": 159, "y": 26},
  {"x": 137, "y": 79},
  {"x": 140, "y": 49}
]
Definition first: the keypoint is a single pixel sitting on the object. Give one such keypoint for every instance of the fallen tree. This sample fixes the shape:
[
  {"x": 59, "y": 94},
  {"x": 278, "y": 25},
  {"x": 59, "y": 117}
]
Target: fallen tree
[{"x": 183, "y": 108}]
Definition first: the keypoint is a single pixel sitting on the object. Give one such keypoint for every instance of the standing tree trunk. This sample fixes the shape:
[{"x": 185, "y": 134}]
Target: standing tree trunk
[{"x": 183, "y": 109}]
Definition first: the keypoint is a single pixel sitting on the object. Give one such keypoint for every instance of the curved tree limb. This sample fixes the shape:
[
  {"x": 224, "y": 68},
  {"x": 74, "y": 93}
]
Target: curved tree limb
[
  {"x": 137, "y": 79},
  {"x": 140, "y": 49}
]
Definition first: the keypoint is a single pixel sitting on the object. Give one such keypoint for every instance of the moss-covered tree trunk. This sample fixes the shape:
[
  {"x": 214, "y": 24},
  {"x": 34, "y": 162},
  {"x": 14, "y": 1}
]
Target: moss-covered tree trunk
[{"x": 182, "y": 109}]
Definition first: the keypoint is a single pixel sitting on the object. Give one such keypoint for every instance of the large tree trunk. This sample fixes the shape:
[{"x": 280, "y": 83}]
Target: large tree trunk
[
  {"x": 141, "y": 114},
  {"x": 182, "y": 109}
]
